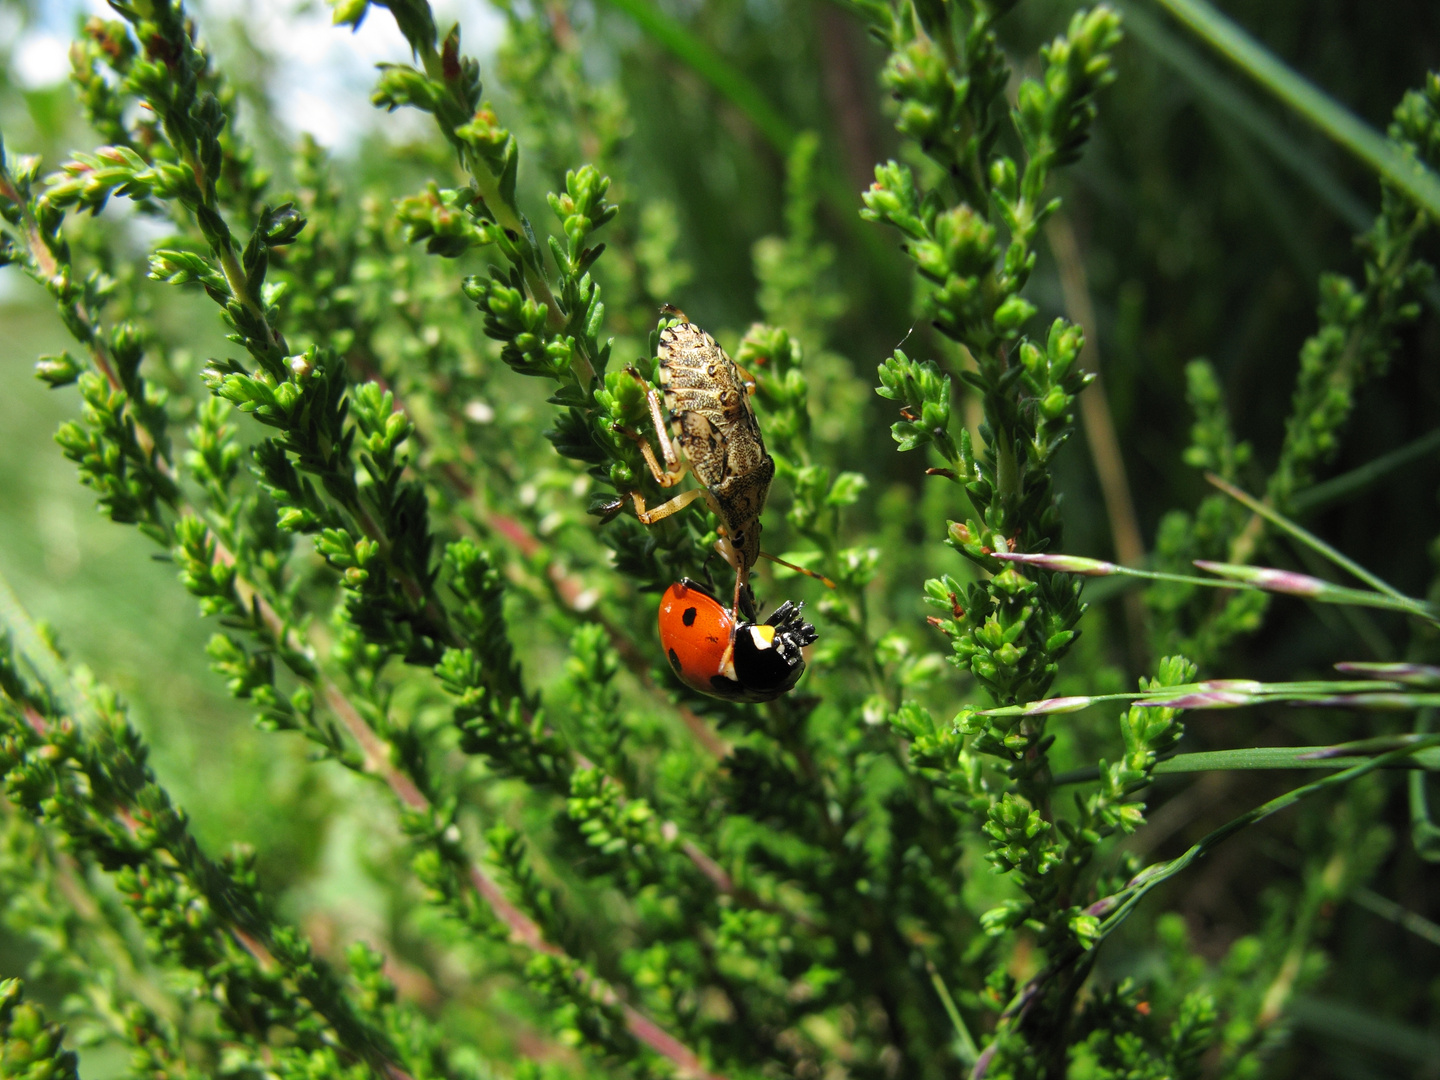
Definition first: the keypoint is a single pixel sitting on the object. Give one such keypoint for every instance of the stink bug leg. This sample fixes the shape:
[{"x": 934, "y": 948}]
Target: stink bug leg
[
  {"x": 674, "y": 469},
  {"x": 669, "y": 475},
  {"x": 665, "y": 509}
]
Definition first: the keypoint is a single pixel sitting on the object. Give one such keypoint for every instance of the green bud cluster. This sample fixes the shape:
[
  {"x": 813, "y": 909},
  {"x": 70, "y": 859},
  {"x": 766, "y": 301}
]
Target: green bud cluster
[
  {"x": 973, "y": 244},
  {"x": 29, "y": 1046}
]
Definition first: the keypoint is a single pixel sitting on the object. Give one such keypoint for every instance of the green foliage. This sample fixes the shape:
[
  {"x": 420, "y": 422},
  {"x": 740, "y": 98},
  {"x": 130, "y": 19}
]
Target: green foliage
[
  {"x": 426, "y": 568},
  {"x": 31, "y": 1047},
  {"x": 205, "y": 919},
  {"x": 1358, "y": 333}
]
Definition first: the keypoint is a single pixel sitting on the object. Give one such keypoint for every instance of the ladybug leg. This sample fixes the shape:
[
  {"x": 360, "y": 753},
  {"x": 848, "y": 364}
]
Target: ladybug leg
[
  {"x": 691, "y": 583},
  {"x": 705, "y": 566},
  {"x": 747, "y": 611}
]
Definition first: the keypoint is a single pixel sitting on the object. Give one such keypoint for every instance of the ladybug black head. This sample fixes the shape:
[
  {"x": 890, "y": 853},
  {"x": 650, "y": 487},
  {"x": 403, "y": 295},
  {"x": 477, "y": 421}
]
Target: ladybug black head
[{"x": 768, "y": 659}]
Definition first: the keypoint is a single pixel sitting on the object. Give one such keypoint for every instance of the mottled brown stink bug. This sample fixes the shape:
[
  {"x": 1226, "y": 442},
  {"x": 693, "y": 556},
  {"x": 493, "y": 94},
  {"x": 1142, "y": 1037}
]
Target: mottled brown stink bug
[{"x": 712, "y": 424}]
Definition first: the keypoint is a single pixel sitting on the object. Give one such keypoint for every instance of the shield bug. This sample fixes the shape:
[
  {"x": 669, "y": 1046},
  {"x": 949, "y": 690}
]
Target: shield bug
[{"x": 713, "y": 425}]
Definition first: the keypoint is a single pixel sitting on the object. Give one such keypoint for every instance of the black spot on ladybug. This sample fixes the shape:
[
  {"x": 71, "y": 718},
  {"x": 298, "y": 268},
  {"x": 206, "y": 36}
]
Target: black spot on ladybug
[
  {"x": 675, "y": 660},
  {"x": 688, "y": 617}
]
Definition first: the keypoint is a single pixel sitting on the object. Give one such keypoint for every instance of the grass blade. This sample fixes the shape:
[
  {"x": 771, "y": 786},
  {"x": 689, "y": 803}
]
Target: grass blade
[
  {"x": 697, "y": 55},
  {"x": 1117, "y": 907},
  {"x": 1234, "y": 106},
  {"x": 1309, "y": 539},
  {"x": 1386, "y": 908},
  {"x": 1329, "y": 116},
  {"x": 1357, "y": 479},
  {"x": 1339, "y": 1020},
  {"x": 1279, "y": 757}
]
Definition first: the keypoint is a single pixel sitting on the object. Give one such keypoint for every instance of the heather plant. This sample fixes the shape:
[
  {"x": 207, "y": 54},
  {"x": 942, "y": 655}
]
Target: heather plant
[{"x": 382, "y": 417}]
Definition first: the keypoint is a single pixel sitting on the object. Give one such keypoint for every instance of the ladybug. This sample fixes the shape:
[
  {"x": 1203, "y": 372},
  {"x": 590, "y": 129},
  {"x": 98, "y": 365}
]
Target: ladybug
[{"x": 735, "y": 661}]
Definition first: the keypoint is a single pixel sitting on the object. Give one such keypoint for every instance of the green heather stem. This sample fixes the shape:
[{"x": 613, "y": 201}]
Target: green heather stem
[
  {"x": 968, "y": 1051},
  {"x": 1424, "y": 831},
  {"x": 230, "y": 266},
  {"x": 507, "y": 213},
  {"x": 149, "y": 818}
]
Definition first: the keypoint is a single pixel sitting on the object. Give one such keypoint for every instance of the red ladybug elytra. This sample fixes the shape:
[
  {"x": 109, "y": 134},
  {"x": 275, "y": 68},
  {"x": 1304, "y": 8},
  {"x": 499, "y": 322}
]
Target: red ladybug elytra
[{"x": 712, "y": 653}]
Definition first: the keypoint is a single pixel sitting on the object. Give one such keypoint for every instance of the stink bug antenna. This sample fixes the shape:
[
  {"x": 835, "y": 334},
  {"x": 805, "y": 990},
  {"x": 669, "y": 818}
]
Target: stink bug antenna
[{"x": 800, "y": 569}]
